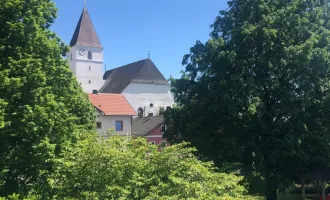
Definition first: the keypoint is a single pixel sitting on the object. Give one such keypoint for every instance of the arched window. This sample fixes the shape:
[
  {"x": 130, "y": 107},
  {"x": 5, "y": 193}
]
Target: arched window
[
  {"x": 89, "y": 55},
  {"x": 89, "y": 82},
  {"x": 89, "y": 68},
  {"x": 140, "y": 112}
]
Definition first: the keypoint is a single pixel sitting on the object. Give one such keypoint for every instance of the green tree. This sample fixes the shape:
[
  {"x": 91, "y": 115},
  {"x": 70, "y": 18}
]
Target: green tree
[
  {"x": 125, "y": 168},
  {"x": 42, "y": 107},
  {"x": 257, "y": 92}
]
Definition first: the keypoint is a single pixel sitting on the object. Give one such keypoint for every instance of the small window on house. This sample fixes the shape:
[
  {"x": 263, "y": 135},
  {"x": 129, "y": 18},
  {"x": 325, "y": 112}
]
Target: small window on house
[
  {"x": 89, "y": 68},
  {"x": 163, "y": 144},
  {"x": 119, "y": 125},
  {"x": 151, "y": 105},
  {"x": 98, "y": 125},
  {"x": 163, "y": 129},
  {"x": 152, "y": 142},
  {"x": 89, "y": 82},
  {"x": 89, "y": 55}
]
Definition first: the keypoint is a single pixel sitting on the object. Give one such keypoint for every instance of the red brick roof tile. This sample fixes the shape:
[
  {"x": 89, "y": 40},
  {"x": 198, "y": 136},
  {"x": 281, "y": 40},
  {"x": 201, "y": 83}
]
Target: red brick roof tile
[{"x": 112, "y": 104}]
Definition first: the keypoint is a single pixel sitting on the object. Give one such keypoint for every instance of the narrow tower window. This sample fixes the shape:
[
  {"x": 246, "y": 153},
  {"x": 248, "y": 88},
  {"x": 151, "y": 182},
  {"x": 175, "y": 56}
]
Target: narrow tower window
[
  {"x": 89, "y": 55},
  {"x": 89, "y": 68},
  {"x": 89, "y": 82}
]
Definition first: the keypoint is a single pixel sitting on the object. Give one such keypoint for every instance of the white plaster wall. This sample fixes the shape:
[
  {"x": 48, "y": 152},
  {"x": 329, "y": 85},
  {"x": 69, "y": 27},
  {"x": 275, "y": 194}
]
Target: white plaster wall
[
  {"x": 79, "y": 65},
  {"x": 109, "y": 122},
  {"x": 97, "y": 53},
  {"x": 71, "y": 58},
  {"x": 84, "y": 75},
  {"x": 141, "y": 95}
]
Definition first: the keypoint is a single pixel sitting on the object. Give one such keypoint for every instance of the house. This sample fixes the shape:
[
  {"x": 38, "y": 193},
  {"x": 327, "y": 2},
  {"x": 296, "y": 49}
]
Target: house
[
  {"x": 150, "y": 127},
  {"x": 113, "y": 112},
  {"x": 143, "y": 85}
]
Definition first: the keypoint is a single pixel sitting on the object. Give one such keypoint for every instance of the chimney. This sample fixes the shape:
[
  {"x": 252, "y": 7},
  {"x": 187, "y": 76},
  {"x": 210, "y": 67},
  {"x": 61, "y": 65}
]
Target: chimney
[
  {"x": 94, "y": 91},
  {"x": 150, "y": 114}
]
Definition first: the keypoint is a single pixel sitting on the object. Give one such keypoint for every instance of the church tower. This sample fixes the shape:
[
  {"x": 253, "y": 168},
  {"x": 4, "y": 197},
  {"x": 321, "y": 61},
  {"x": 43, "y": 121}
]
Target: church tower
[{"x": 86, "y": 55}]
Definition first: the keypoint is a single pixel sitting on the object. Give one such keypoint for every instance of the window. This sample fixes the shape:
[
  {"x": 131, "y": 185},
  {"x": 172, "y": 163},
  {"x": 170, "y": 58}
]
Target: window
[
  {"x": 152, "y": 142},
  {"x": 119, "y": 125},
  {"x": 98, "y": 125},
  {"x": 89, "y": 82},
  {"x": 163, "y": 144},
  {"x": 89, "y": 68},
  {"x": 151, "y": 105},
  {"x": 163, "y": 129},
  {"x": 89, "y": 55},
  {"x": 140, "y": 112}
]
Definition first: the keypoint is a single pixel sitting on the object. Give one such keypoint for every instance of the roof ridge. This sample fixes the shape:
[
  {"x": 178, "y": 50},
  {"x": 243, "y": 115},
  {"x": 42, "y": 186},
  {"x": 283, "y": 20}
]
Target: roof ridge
[
  {"x": 127, "y": 64},
  {"x": 144, "y": 62},
  {"x": 141, "y": 72},
  {"x": 107, "y": 93}
]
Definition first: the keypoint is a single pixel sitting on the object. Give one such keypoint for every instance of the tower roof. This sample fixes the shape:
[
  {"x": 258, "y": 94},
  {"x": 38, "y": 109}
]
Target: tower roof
[{"x": 85, "y": 34}]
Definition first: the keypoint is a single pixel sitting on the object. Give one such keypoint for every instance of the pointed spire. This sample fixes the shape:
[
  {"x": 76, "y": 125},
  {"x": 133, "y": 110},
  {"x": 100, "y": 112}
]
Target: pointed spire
[{"x": 85, "y": 34}]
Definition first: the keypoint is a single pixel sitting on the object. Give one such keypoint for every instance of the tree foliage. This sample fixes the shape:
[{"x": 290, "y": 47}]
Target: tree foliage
[
  {"x": 257, "y": 92},
  {"x": 42, "y": 106},
  {"x": 125, "y": 168}
]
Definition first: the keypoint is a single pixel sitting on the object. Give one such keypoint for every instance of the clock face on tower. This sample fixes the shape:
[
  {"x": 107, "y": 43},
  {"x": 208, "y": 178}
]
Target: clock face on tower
[{"x": 81, "y": 51}]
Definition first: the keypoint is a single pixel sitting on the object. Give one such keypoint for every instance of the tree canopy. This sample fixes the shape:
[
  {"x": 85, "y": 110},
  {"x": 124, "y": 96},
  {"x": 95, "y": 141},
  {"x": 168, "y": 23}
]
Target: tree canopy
[
  {"x": 257, "y": 93},
  {"x": 42, "y": 107},
  {"x": 125, "y": 168}
]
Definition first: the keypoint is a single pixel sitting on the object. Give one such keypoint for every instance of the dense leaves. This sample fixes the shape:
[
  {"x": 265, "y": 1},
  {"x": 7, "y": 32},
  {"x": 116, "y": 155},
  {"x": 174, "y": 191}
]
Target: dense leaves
[
  {"x": 125, "y": 168},
  {"x": 41, "y": 105},
  {"x": 257, "y": 92}
]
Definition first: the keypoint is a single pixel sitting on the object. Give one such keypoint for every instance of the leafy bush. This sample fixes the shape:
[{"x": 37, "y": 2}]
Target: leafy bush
[{"x": 125, "y": 168}]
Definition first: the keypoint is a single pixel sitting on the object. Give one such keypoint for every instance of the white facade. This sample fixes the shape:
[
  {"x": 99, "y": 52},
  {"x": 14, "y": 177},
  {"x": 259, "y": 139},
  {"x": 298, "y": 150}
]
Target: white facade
[
  {"x": 109, "y": 123},
  {"x": 86, "y": 64},
  {"x": 142, "y": 95}
]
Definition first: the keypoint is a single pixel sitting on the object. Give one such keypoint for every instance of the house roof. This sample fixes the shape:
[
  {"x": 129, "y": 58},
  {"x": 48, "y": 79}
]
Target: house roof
[
  {"x": 85, "y": 34},
  {"x": 143, "y": 71},
  {"x": 112, "y": 104},
  {"x": 142, "y": 126}
]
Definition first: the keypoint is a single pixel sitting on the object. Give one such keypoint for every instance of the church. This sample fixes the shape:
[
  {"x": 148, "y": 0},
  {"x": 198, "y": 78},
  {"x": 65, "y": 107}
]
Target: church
[
  {"x": 140, "y": 82},
  {"x": 127, "y": 99}
]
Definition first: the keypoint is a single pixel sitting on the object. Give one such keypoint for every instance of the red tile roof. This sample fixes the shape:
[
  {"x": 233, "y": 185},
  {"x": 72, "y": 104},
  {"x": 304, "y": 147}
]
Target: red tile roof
[{"x": 112, "y": 104}]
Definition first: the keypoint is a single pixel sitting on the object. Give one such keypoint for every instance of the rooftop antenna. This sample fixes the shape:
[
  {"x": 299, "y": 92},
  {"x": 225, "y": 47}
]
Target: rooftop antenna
[
  {"x": 148, "y": 54},
  {"x": 105, "y": 67}
]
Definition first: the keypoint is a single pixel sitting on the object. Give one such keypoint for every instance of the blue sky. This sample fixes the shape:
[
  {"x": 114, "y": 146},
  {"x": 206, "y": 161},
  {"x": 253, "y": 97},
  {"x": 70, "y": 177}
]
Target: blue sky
[{"x": 128, "y": 29}]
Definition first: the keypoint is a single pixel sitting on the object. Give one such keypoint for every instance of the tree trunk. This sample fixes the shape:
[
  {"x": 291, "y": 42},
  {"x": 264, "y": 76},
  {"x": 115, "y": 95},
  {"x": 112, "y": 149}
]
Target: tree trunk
[{"x": 272, "y": 195}]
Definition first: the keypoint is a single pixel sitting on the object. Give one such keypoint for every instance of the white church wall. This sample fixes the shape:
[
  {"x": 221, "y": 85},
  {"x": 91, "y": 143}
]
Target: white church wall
[
  {"x": 71, "y": 58},
  {"x": 142, "y": 95},
  {"x": 89, "y": 72},
  {"x": 97, "y": 53},
  {"x": 109, "y": 122}
]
